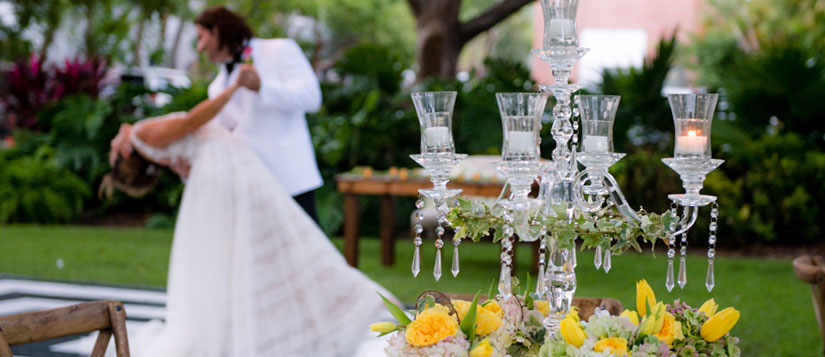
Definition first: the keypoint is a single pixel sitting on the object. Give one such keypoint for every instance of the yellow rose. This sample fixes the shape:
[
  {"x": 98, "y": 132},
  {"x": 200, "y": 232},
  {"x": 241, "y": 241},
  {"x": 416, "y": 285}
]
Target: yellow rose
[
  {"x": 494, "y": 307},
  {"x": 652, "y": 323},
  {"x": 487, "y": 321},
  {"x": 461, "y": 307},
  {"x": 383, "y": 327},
  {"x": 572, "y": 332},
  {"x": 613, "y": 345},
  {"x": 430, "y": 326},
  {"x": 543, "y": 306},
  {"x": 632, "y": 315},
  {"x": 488, "y": 318},
  {"x": 483, "y": 349},
  {"x": 671, "y": 330},
  {"x": 709, "y": 307},
  {"x": 719, "y": 324},
  {"x": 644, "y": 294}
]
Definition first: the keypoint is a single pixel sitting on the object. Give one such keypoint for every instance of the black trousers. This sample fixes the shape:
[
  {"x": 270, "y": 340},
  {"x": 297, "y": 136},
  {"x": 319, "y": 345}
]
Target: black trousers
[{"x": 307, "y": 201}]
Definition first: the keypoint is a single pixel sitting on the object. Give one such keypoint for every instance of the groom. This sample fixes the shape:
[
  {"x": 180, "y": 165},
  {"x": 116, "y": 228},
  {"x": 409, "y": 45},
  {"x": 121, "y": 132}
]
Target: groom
[{"x": 270, "y": 116}]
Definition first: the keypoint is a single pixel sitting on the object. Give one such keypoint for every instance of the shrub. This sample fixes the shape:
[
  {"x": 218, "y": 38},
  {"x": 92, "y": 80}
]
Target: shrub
[{"x": 34, "y": 188}]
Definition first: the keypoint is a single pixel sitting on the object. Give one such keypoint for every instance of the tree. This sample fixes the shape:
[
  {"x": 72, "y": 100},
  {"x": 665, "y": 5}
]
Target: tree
[{"x": 442, "y": 35}]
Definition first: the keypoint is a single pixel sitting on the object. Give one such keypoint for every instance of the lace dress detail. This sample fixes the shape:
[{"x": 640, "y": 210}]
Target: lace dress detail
[
  {"x": 183, "y": 149},
  {"x": 250, "y": 273}
]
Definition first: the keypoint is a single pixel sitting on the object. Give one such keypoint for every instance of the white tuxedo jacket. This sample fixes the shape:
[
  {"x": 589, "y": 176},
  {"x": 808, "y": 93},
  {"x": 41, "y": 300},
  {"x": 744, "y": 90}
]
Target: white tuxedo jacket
[{"x": 273, "y": 120}]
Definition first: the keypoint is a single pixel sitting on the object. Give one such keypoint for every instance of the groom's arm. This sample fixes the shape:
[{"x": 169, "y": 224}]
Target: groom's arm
[{"x": 287, "y": 83}]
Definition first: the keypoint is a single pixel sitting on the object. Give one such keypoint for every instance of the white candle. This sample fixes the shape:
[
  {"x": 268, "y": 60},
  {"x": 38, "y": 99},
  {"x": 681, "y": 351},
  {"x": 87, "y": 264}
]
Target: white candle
[
  {"x": 521, "y": 142},
  {"x": 691, "y": 143},
  {"x": 437, "y": 135},
  {"x": 561, "y": 28},
  {"x": 595, "y": 143}
]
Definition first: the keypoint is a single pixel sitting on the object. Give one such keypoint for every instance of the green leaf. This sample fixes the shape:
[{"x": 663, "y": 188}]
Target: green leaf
[
  {"x": 492, "y": 289},
  {"x": 396, "y": 311},
  {"x": 468, "y": 323}
]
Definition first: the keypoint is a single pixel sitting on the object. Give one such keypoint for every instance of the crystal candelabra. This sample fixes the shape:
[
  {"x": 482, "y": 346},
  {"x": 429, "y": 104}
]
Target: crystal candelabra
[{"x": 587, "y": 193}]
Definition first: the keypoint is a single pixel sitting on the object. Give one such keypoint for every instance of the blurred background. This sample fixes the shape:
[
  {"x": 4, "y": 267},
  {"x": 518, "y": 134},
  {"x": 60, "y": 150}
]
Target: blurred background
[{"x": 71, "y": 71}]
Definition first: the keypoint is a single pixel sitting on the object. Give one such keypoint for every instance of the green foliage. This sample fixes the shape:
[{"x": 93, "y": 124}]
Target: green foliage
[
  {"x": 643, "y": 116},
  {"x": 772, "y": 190},
  {"x": 607, "y": 228},
  {"x": 34, "y": 188}
]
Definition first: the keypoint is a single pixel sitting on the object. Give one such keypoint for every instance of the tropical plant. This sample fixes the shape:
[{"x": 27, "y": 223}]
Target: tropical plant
[
  {"x": 643, "y": 115},
  {"x": 35, "y": 188}
]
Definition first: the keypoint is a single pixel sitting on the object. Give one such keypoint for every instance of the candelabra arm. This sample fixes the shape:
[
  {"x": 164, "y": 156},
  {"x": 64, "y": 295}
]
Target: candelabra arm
[
  {"x": 578, "y": 190},
  {"x": 619, "y": 200},
  {"x": 687, "y": 220}
]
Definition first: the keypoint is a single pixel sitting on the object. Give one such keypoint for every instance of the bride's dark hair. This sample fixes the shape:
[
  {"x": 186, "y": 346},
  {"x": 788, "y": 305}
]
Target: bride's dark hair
[{"x": 134, "y": 175}]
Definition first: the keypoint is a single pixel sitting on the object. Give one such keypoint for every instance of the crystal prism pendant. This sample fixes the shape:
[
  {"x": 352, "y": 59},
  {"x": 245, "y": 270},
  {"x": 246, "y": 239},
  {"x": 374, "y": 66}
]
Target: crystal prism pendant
[
  {"x": 437, "y": 268},
  {"x": 682, "y": 273},
  {"x": 597, "y": 260},
  {"x": 416, "y": 263},
  {"x": 710, "y": 281},
  {"x": 540, "y": 284},
  {"x": 607, "y": 260},
  {"x": 504, "y": 282},
  {"x": 455, "y": 268},
  {"x": 669, "y": 282}
]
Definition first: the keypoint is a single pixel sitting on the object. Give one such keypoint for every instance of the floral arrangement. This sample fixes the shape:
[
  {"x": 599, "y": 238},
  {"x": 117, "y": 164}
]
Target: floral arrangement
[
  {"x": 654, "y": 329},
  {"x": 455, "y": 327},
  {"x": 606, "y": 228}
]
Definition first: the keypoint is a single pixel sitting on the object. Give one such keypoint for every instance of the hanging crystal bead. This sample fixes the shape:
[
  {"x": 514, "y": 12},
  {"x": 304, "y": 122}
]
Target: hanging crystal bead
[
  {"x": 597, "y": 260},
  {"x": 437, "y": 268},
  {"x": 709, "y": 280},
  {"x": 540, "y": 287},
  {"x": 416, "y": 263},
  {"x": 669, "y": 283},
  {"x": 682, "y": 273},
  {"x": 607, "y": 260},
  {"x": 455, "y": 268}
]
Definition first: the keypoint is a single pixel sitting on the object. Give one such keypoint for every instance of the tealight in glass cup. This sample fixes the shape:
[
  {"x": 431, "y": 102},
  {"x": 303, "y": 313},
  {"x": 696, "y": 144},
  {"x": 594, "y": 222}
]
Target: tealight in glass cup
[
  {"x": 692, "y": 117},
  {"x": 435, "y": 117},
  {"x": 521, "y": 123}
]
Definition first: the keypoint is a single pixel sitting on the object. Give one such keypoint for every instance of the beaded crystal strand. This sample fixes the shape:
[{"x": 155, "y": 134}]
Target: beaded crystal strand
[
  {"x": 671, "y": 247},
  {"x": 710, "y": 281}
]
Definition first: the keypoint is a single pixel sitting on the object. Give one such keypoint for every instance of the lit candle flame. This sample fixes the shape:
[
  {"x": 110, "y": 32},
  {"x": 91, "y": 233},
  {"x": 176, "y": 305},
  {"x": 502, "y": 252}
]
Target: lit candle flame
[{"x": 691, "y": 132}]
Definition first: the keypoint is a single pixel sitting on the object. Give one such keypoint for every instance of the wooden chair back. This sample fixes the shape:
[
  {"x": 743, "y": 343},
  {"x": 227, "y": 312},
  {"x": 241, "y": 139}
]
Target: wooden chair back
[
  {"x": 106, "y": 316},
  {"x": 811, "y": 269}
]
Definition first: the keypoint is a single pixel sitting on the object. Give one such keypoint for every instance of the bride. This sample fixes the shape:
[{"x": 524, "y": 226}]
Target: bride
[{"x": 250, "y": 273}]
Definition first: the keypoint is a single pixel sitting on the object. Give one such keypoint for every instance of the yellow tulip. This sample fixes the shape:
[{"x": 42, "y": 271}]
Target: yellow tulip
[
  {"x": 632, "y": 315},
  {"x": 719, "y": 324},
  {"x": 652, "y": 323},
  {"x": 614, "y": 345},
  {"x": 644, "y": 294},
  {"x": 383, "y": 327},
  {"x": 574, "y": 313},
  {"x": 572, "y": 332},
  {"x": 709, "y": 307},
  {"x": 483, "y": 349}
]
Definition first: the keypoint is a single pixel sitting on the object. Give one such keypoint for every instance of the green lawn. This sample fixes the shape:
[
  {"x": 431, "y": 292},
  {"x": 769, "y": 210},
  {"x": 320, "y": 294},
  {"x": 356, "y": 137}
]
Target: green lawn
[{"x": 777, "y": 314}]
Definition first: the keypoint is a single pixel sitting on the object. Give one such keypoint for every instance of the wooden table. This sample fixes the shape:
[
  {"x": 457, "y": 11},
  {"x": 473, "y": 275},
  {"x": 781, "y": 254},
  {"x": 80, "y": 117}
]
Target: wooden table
[{"x": 388, "y": 188}]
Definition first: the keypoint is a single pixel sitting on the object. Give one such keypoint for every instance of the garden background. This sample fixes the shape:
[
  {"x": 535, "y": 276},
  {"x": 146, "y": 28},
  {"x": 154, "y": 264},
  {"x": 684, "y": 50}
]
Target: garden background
[{"x": 765, "y": 58}]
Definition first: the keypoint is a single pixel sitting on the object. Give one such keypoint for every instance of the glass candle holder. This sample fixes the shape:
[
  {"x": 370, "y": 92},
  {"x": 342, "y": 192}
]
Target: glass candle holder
[
  {"x": 560, "y": 23},
  {"x": 521, "y": 122},
  {"x": 692, "y": 117},
  {"x": 597, "y": 115},
  {"x": 435, "y": 116}
]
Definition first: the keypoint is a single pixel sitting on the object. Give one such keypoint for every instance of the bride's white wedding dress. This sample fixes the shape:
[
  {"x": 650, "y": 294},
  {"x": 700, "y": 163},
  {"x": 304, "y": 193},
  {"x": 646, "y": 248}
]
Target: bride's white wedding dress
[{"x": 250, "y": 273}]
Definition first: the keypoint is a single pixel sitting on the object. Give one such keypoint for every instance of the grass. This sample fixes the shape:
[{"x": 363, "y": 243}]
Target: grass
[{"x": 777, "y": 314}]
